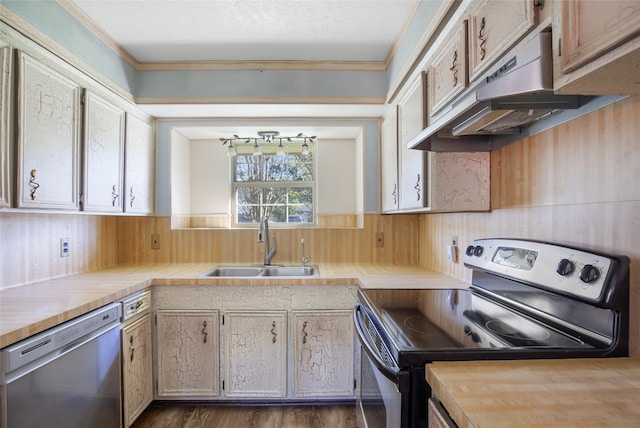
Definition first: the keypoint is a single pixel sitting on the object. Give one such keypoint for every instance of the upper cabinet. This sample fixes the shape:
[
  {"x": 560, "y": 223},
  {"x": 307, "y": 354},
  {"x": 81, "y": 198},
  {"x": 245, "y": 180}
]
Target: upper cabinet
[
  {"x": 48, "y": 137},
  {"x": 103, "y": 155},
  {"x": 389, "y": 160},
  {"x": 5, "y": 105},
  {"x": 598, "y": 47},
  {"x": 63, "y": 136},
  {"x": 139, "y": 167},
  {"x": 494, "y": 27},
  {"x": 411, "y": 163},
  {"x": 448, "y": 74}
]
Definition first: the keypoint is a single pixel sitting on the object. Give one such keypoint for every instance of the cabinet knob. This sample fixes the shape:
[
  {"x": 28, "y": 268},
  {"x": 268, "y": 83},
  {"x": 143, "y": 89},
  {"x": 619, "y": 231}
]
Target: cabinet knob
[
  {"x": 418, "y": 188},
  {"x": 304, "y": 332},
  {"x": 131, "y": 348},
  {"x": 454, "y": 68},
  {"x": 204, "y": 331},
  {"x": 132, "y": 197},
  {"x": 483, "y": 39},
  {"x": 273, "y": 332},
  {"x": 33, "y": 184},
  {"x": 114, "y": 196}
]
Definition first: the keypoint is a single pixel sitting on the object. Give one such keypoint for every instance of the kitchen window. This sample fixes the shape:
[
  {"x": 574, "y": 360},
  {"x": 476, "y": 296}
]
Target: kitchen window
[{"x": 280, "y": 187}]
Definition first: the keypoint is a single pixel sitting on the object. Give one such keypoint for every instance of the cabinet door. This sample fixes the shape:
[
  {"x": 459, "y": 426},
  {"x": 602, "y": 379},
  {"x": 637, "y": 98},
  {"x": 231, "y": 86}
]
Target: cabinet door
[
  {"x": 5, "y": 103},
  {"x": 494, "y": 27},
  {"x": 591, "y": 28},
  {"x": 448, "y": 74},
  {"x": 103, "y": 155},
  {"x": 411, "y": 121},
  {"x": 389, "y": 160},
  {"x": 137, "y": 375},
  {"x": 255, "y": 354},
  {"x": 140, "y": 160},
  {"x": 188, "y": 354},
  {"x": 48, "y": 137},
  {"x": 323, "y": 354}
]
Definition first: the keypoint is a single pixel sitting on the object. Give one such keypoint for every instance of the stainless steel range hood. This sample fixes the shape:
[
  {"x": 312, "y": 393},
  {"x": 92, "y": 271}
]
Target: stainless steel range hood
[{"x": 512, "y": 97}]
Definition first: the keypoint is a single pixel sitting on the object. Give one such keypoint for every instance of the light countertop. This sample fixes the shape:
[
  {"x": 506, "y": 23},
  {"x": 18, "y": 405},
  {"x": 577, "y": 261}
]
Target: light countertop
[
  {"x": 31, "y": 308},
  {"x": 599, "y": 392}
]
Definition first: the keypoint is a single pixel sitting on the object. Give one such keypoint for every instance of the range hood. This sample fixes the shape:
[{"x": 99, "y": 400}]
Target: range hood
[{"x": 515, "y": 95}]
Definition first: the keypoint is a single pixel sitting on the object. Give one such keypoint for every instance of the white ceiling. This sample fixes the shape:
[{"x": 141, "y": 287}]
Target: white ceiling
[{"x": 252, "y": 30}]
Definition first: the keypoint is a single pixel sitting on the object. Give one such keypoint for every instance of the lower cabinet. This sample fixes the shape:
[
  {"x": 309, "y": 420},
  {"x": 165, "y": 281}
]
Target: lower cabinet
[
  {"x": 188, "y": 354},
  {"x": 137, "y": 385},
  {"x": 271, "y": 343},
  {"x": 255, "y": 354},
  {"x": 323, "y": 353}
]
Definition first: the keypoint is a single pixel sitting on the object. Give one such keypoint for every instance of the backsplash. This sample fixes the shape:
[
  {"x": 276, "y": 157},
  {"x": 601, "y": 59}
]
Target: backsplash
[
  {"x": 241, "y": 246},
  {"x": 30, "y": 245}
]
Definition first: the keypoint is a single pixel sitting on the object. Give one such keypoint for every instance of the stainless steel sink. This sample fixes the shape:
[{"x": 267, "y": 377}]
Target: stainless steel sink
[
  {"x": 255, "y": 271},
  {"x": 234, "y": 271},
  {"x": 290, "y": 271}
]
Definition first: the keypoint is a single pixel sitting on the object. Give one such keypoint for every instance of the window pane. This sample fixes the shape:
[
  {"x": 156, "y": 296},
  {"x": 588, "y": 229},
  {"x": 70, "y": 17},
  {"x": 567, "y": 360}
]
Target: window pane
[{"x": 286, "y": 200}]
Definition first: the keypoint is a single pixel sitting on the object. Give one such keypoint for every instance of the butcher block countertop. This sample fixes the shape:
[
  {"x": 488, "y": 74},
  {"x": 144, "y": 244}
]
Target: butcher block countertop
[
  {"x": 539, "y": 393},
  {"x": 31, "y": 308}
]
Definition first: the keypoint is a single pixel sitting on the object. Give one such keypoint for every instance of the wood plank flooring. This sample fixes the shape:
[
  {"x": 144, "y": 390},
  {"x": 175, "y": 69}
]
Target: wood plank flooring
[{"x": 184, "y": 416}]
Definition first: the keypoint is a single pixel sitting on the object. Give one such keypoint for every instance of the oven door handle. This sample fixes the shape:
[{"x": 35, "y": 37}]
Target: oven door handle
[{"x": 391, "y": 373}]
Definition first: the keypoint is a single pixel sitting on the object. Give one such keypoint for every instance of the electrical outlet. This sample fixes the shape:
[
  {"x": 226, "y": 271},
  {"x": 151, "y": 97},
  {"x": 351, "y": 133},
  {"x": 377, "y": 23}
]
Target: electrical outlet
[
  {"x": 64, "y": 247},
  {"x": 379, "y": 239},
  {"x": 155, "y": 241}
]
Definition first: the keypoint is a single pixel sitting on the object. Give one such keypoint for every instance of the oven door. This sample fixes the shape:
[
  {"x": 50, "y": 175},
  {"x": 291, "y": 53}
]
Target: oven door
[{"x": 382, "y": 395}]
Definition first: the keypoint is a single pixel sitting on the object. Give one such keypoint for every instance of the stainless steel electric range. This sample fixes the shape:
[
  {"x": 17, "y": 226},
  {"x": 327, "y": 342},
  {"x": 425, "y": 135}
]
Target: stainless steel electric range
[{"x": 527, "y": 299}]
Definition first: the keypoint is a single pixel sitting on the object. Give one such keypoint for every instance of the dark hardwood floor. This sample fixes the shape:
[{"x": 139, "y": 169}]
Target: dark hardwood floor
[{"x": 185, "y": 416}]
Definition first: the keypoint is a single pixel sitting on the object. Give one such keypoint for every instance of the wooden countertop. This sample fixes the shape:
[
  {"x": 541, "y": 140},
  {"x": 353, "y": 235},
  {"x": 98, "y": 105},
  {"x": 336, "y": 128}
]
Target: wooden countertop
[
  {"x": 31, "y": 308},
  {"x": 601, "y": 392}
]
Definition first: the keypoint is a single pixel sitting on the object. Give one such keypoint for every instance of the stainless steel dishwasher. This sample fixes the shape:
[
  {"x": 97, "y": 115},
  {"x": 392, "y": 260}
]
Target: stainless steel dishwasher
[{"x": 65, "y": 377}]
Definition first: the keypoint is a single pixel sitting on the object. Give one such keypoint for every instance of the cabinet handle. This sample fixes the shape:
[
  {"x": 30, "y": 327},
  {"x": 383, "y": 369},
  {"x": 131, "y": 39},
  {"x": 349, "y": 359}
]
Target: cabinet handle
[
  {"x": 395, "y": 193},
  {"x": 304, "y": 332},
  {"x": 33, "y": 184},
  {"x": 131, "y": 197},
  {"x": 204, "y": 331},
  {"x": 418, "y": 187},
  {"x": 114, "y": 195},
  {"x": 454, "y": 68},
  {"x": 131, "y": 348},
  {"x": 273, "y": 332},
  {"x": 483, "y": 39}
]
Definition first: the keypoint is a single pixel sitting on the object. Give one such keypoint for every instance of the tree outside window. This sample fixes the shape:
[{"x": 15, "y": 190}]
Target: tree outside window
[{"x": 280, "y": 187}]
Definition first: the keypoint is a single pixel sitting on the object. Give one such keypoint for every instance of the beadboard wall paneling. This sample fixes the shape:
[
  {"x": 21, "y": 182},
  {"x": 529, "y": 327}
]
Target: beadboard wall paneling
[
  {"x": 30, "y": 245},
  {"x": 577, "y": 183},
  {"x": 241, "y": 246}
]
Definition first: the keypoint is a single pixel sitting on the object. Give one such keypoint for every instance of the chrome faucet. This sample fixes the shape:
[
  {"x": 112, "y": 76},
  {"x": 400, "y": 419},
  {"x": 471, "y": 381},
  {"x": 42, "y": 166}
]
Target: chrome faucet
[
  {"x": 263, "y": 236},
  {"x": 305, "y": 259}
]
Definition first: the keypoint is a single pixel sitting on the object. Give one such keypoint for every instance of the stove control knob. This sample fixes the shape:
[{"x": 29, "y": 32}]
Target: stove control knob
[
  {"x": 469, "y": 251},
  {"x": 589, "y": 274},
  {"x": 467, "y": 330},
  {"x": 478, "y": 251},
  {"x": 565, "y": 267}
]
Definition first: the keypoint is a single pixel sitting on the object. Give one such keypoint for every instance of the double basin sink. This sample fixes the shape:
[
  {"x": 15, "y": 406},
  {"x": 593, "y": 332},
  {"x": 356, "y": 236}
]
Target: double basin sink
[{"x": 262, "y": 271}]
